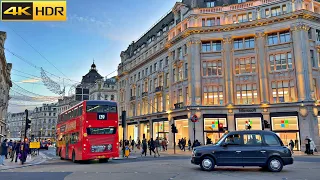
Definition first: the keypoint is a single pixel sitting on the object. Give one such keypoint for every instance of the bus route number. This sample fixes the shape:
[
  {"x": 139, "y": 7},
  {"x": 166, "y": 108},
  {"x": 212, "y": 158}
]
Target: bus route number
[{"x": 102, "y": 116}]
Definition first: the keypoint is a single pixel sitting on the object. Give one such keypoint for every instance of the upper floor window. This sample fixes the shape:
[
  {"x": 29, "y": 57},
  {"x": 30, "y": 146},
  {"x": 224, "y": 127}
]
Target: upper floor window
[
  {"x": 167, "y": 80},
  {"x": 155, "y": 67},
  {"x": 180, "y": 52},
  {"x": 245, "y": 65},
  {"x": 213, "y": 95},
  {"x": 212, "y": 68},
  {"x": 247, "y": 94},
  {"x": 186, "y": 70},
  {"x": 206, "y": 46},
  {"x": 211, "y": 46},
  {"x": 242, "y": 1},
  {"x": 240, "y": 18},
  {"x": 138, "y": 75},
  {"x": 180, "y": 73},
  {"x": 160, "y": 64},
  {"x": 210, "y": 21},
  {"x": 283, "y": 91},
  {"x": 174, "y": 75},
  {"x": 312, "y": 59},
  {"x": 210, "y": 4},
  {"x": 276, "y": 11},
  {"x": 167, "y": 60},
  {"x": 282, "y": 37},
  {"x": 280, "y": 61},
  {"x": 318, "y": 34}
]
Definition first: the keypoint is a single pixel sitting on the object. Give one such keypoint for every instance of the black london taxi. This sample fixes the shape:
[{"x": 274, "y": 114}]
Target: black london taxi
[{"x": 244, "y": 148}]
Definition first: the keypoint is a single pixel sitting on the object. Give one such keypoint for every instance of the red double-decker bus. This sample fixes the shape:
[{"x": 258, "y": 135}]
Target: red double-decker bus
[{"x": 88, "y": 131}]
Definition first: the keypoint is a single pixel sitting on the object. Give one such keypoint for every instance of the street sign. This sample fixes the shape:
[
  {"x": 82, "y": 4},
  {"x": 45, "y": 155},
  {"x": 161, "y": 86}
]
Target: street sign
[
  {"x": 34, "y": 145},
  {"x": 194, "y": 118}
]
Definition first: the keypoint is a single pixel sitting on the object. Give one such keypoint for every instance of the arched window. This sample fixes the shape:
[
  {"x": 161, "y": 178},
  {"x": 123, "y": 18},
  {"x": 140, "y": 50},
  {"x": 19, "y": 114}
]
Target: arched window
[{"x": 112, "y": 97}]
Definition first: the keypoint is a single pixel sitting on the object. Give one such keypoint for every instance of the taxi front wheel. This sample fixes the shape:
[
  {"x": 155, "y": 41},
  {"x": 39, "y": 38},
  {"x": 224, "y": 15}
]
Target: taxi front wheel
[{"x": 207, "y": 164}]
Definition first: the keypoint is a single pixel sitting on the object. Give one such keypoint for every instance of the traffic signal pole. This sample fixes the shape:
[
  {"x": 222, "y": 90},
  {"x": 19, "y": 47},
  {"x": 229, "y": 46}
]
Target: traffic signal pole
[{"x": 25, "y": 137}]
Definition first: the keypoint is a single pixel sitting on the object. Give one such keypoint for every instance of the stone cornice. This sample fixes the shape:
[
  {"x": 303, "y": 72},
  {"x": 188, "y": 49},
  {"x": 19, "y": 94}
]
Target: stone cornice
[
  {"x": 301, "y": 14},
  {"x": 299, "y": 27}
]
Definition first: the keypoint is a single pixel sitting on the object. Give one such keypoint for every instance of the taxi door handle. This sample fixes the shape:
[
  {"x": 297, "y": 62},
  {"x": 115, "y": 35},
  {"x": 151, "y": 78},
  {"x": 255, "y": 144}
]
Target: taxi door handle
[
  {"x": 263, "y": 151},
  {"x": 238, "y": 151}
]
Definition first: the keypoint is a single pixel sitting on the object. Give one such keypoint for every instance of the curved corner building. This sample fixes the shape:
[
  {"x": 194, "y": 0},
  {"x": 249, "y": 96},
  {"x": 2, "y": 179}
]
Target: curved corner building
[{"x": 232, "y": 62}]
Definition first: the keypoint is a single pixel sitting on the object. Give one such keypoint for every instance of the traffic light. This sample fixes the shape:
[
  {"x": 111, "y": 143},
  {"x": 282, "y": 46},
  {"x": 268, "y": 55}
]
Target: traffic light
[
  {"x": 28, "y": 123},
  {"x": 174, "y": 128},
  {"x": 221, "y": 127}
]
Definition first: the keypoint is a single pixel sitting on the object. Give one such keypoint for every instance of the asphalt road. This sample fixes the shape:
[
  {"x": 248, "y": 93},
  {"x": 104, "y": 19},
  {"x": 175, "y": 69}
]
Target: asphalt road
[{"x": 162, "y": 168}]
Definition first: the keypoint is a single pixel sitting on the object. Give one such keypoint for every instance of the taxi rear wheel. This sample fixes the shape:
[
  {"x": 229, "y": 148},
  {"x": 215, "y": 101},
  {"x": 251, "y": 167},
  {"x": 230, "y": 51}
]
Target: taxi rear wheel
[{"x": 207, "y": 164}]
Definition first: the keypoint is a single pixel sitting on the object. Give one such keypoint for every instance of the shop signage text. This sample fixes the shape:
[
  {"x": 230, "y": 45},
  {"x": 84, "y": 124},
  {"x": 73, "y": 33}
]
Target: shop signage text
[{"x": 248, "y": 110}]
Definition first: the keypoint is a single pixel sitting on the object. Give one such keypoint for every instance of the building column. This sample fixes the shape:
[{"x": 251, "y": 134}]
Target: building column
[
  {"x": 263, "y": 75},
  {"x": 194, "y": 69},
  {"x": 139, "y": 130},
  {"x": 227, "y": 54},
  {"x": 171, "y": 57},
  {"x": 150, "y": 128},
  {"x": 308, "y": 125},
  {"x": 231, "y": 122},
  {"x": 266, "y": 116},
  {"x": 302, "y": 61}
]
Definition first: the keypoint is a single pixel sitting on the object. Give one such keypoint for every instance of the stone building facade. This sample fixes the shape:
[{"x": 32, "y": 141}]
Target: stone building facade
[
  {"x": 44, "y": 121},
  {"x": 225, "y": 62},
  {"x": 5, "y": 84},
  {"x": 16, "y": 124},
  {"x": 104, "y": 90}
]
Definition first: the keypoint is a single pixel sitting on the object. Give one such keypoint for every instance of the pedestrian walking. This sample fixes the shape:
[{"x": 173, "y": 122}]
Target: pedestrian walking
[
  {"x": 132, "y": 144},
  {"x": 291, "y": 146},
  {"x": 17, "y": 150},
  {"x": 4, "y": 151},
  {"x": 157, "y": 146},
  {"x": 152, "y": 147},
  {"x": 183, "y": 144},
  {"x": 312, "y": 146},
  {"x": 189, "y": 145},
  {"x": 307, "y": 142},
  {"x": 144, "y": 147}
]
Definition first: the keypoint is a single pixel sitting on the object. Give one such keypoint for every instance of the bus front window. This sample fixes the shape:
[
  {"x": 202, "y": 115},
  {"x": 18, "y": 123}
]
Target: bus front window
[
  {"x": 97, "y": 131},
  {"x": 101, "y": 109}
]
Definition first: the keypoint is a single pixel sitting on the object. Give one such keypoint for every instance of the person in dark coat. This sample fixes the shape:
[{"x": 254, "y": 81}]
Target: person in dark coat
[
  {"x": 152, "y": 147},
  {"x": 17, "y": 150},
  {"x": 4, "y": 151},
  {"x": 307, "y": 141},
  {"x": 144, "y": 147}
]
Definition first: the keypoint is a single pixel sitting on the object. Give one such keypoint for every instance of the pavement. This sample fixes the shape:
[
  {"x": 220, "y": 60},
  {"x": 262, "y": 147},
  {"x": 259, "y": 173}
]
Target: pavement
[
  {"x": 166, "y": 167},
  {"x": 31, "y": 160}
]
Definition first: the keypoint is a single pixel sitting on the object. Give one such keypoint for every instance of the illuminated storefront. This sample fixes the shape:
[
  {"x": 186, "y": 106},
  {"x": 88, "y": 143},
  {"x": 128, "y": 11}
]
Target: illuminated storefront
[
  {"x": 160, "y": 128},
  {"x": 211, "y": 127},
  {"x": 286, "y": 127},
  {"x": 183, "y": 129},
  {"x": 120, "y": 132},
  {"x": 132, "y": 131},
  {"x": 254, "y": 119},
  {"x": 144, "y": 130}
]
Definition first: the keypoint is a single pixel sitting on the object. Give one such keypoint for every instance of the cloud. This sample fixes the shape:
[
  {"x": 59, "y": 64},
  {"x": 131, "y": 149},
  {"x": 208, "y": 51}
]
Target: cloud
[
  {"x": 87, "y": 24},
  {"x": 33, "y": 80}
]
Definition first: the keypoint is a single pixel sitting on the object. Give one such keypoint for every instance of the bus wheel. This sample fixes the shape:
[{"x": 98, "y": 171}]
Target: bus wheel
[
  {"x": 74, "y": 157},
  {"x": 103, "y": 160}
]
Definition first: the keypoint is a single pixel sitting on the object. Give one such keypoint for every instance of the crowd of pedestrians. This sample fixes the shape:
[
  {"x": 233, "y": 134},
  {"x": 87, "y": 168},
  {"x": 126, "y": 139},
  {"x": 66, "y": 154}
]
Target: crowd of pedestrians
[{"x": 14, "y": 150}]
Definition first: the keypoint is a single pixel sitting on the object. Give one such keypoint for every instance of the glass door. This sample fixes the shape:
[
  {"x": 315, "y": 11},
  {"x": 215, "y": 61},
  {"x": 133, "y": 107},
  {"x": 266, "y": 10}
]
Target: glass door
[{"x": 287, "y": 136}]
